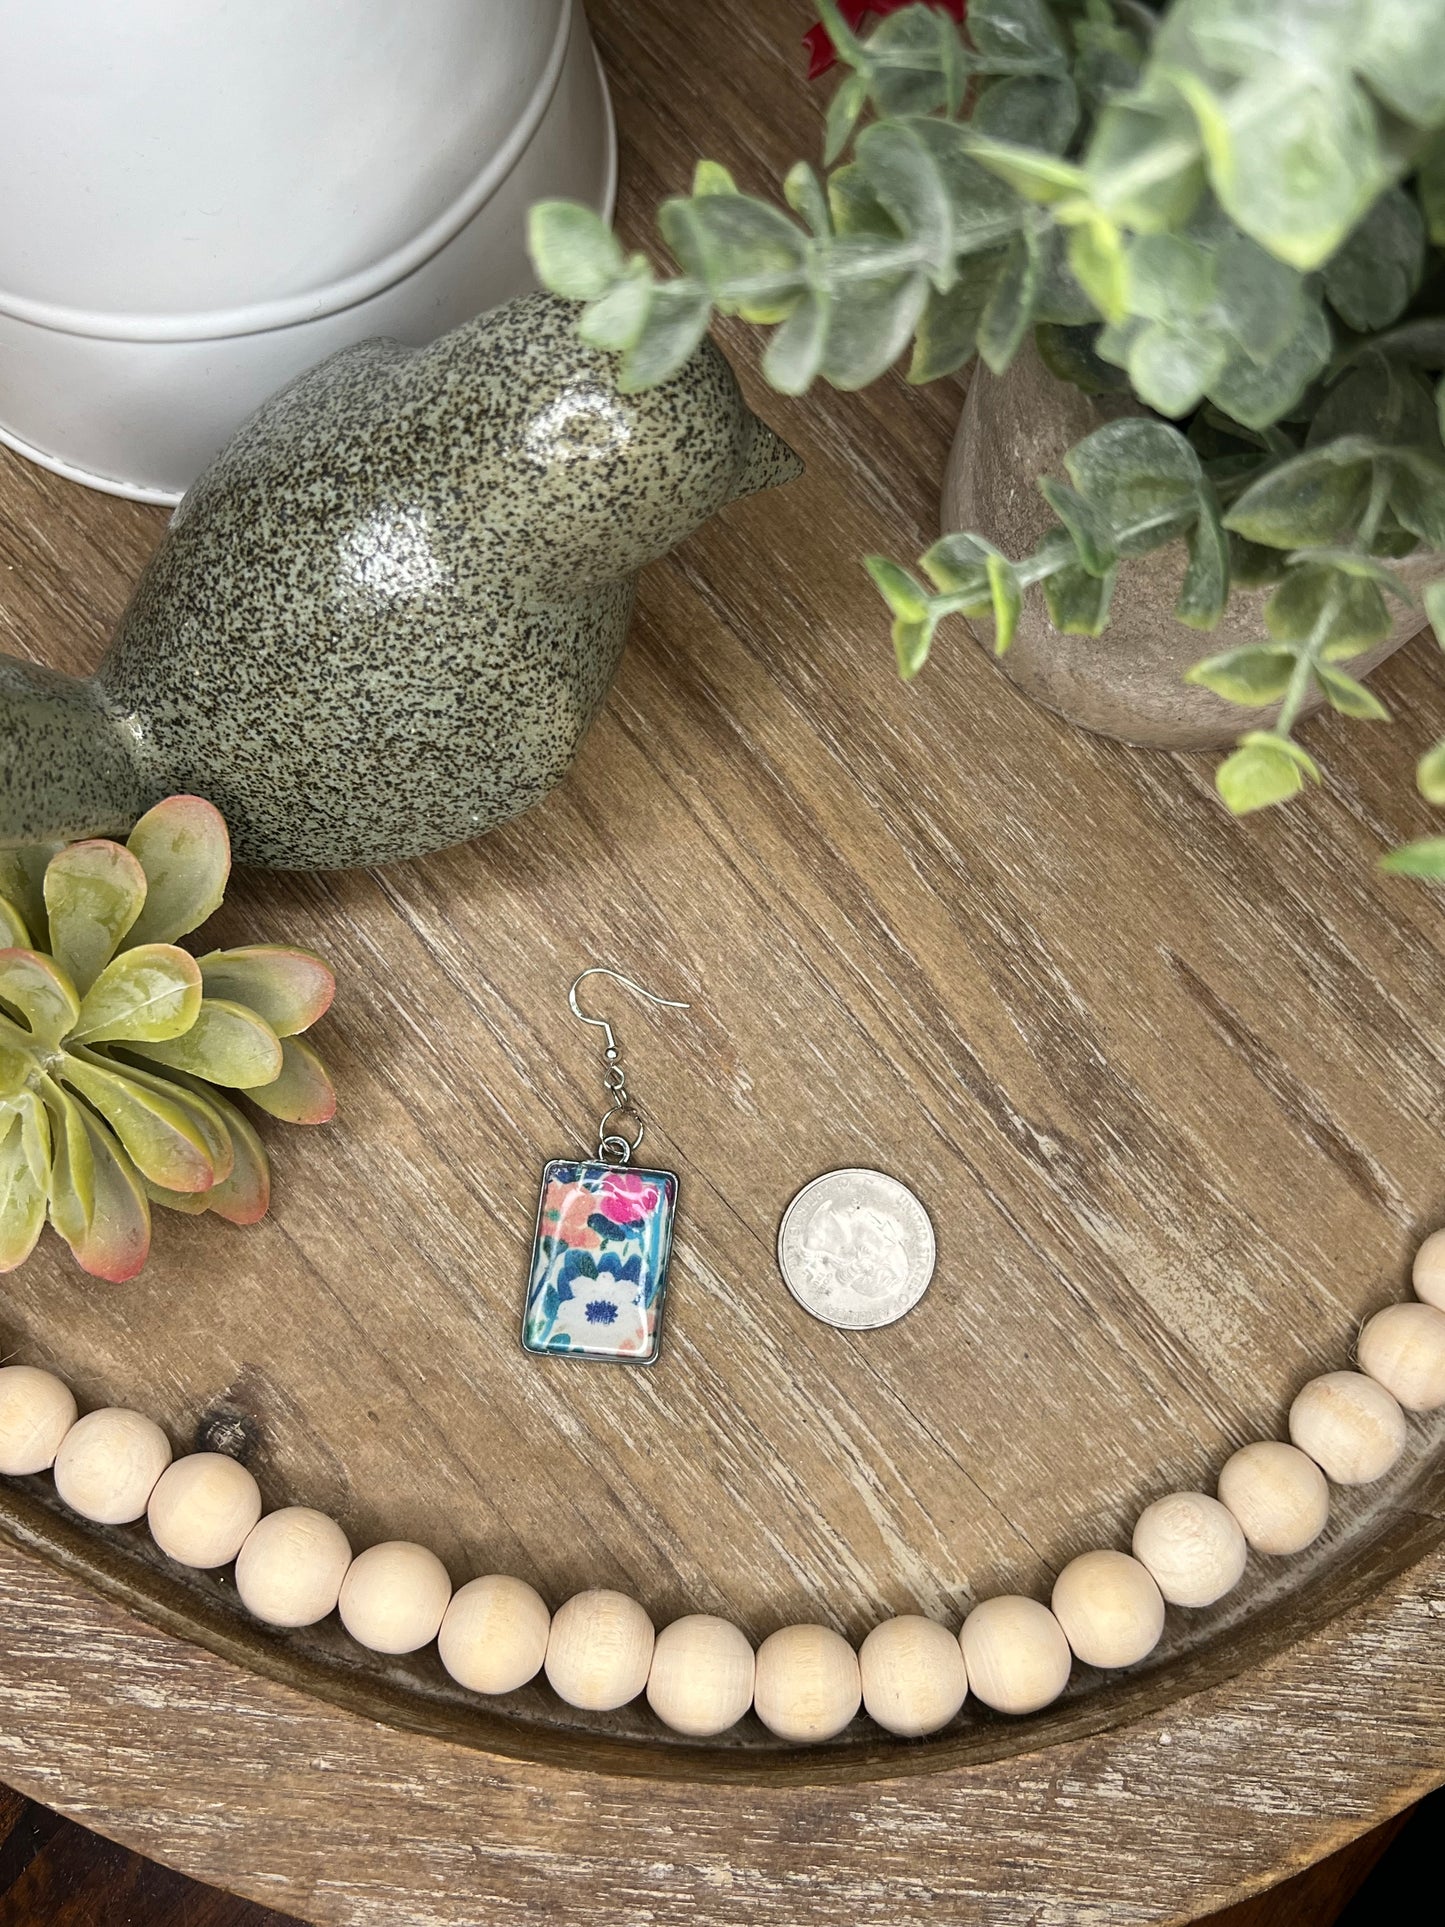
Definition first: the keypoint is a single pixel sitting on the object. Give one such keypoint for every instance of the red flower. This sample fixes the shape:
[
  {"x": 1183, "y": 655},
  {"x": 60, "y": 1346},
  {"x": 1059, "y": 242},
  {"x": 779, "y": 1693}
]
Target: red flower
[{"x": 821, "y": 55}]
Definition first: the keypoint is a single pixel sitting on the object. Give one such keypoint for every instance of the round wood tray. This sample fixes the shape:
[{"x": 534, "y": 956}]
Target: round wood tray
[{"x": 1171, "y": 1089}]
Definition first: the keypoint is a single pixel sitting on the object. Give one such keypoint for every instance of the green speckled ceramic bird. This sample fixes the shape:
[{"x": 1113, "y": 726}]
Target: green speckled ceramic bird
[{"x": 383, "y": 618}]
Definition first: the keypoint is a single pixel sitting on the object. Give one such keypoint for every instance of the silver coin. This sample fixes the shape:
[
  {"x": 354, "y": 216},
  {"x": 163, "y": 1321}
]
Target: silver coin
[{"x": 856, "y": 1249}]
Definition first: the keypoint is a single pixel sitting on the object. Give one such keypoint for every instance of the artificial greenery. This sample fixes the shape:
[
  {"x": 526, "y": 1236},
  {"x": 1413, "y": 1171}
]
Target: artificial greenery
[
  {"x": 1233, "y": 208},
  {"x": 116, "y": 1044}
]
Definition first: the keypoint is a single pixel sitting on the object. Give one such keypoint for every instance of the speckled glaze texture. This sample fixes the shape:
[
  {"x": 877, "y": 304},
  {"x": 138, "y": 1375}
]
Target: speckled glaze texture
[{"x": 383, "y": 618}]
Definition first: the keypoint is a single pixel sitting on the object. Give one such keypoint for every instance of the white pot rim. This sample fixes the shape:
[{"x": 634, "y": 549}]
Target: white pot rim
[{"x": 258, "y": 317}]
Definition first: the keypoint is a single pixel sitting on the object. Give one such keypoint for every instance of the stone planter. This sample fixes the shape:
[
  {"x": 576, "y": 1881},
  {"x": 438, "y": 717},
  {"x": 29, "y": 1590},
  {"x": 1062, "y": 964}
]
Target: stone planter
[{"x": 1129, "y": 682}]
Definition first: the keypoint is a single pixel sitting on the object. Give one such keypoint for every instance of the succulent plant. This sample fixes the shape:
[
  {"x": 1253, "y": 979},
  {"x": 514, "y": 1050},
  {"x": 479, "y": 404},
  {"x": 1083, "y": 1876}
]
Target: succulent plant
[
  {"x": 1234, "y": 210},
  {"x": 116, "y": 1044}
]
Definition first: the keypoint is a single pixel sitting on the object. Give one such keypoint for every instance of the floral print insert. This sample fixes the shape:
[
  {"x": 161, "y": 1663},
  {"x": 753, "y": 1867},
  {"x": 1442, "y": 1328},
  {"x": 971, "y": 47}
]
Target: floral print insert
[{"x": 599, "y": 1265}]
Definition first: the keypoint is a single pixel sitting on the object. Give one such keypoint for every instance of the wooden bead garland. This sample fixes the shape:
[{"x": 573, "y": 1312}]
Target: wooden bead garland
[
  {"x": 808, "y": 1685},
  {"x": 108, "y": 1464},
  {"x": 1017, "y": 1657},
  {"x": 1110, "y": 1609},
  {"x": 701, "y": 1680},
  {"x": 1403, "y": 1349},
  {"x": 1192, "y": 1548},
  {"x": 913, "y": 1675},
  {"x": 289, "y": 1571},
  {"x": 493, "y": 1635},
  {"x": 1350, "y": 1426},
  {"x": 36, "y": 1412},
  {"x": 1278, "y": 1494},
  {"x": 393, "y": 1597},
  {"x": 599, "y": 1652},
  {"x": 202, "y": 1509},
  {"x": 294, "y": 1566}
]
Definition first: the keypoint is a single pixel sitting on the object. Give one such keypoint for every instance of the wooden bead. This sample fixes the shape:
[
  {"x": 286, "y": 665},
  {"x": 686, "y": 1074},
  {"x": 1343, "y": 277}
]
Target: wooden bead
[
  {"x": 1403, "y": 1349},
  {"x": 1192, "y": 1547},
  {"x": 493, "y": 1636},
  {"x": 1428, "y": 1273},
  {"x": 108, "y": 1464},
  {"x": 701, "y": 1681},
  {"x": 1110, "y": 1609},
  {"x": 1351, "y": 1427},
  {"x": 202, "y": 1509},
  {"x": 1016, "y": 1654},
  {"x": 1278, "y": 1494},
  {"x": 394, "y": 1596},
  {"x": 289, "y": 1571},
  {"x": 913, "y": 1674},
  {"x": 808, "y": 1685},
  {"x": 599, "y": 1652},
  {"x": 36, "y": 1412}
]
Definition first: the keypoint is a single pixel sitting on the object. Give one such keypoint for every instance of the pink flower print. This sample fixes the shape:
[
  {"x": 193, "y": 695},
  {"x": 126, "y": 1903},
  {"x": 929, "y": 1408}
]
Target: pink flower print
[
  {"x": 570, "y": 1207},
  {"x": 625, "y": 1198}
]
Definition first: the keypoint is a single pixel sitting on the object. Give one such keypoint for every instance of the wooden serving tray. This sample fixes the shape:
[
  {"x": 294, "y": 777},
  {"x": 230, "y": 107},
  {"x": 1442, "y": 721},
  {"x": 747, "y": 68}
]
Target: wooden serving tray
[{"x": 1170, "y": 1085}]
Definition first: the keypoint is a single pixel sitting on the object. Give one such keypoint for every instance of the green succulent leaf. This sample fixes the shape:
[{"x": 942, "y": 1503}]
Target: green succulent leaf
[
  {"x": 115, "y": 1243},
  {"x": 39, "y": 990},
  {"x": 1265, "y": 769},
  {"x": 71, "y": 1201},
  {"x": 1255, "y": 674},
  {"x": 1434, "y": 600},
  {"x": 159, "y": 1134},
  {"x": 94, "y": 891},
  {"x": 227, "y": 1044},
  {"x": 197, "y": 1101},
  {"x": 303, "y": 1093},
  {"x": 288, "y": 987},
  {"x": 24, "y": 1177},
  {"x": 22, "y": 881},
  {"x": 573, "y": 249},
  {"x": 142, "y": 996},
  {"x": 13, "y": 933},
  {"x": 1424, "y": 858},
  {"x": 183, "y": 847},
  {"x": 243, "y": 1196}
]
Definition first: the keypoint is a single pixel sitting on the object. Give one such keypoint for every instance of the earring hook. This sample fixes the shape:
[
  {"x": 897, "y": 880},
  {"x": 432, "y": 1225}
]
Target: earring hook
[
  {"x": 601, "y": 970},
  {"x": 613, "y": 1146}
]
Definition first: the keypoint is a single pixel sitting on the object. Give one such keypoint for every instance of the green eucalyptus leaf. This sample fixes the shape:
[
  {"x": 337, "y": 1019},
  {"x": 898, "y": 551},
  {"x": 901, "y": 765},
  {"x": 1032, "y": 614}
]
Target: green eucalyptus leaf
[
  {"x": 1433, "y": 596},
  {"x": 573, "y": 249},
  {"x": 1069, "y": 354},
  {"x": 1430, "y": 186},
  {"x": 872, "y": 316},
  {"x": 922, "y": 175},
  {"x": 1078, "y": 602},
  {"x": 677, "y": 318},
  {"x": 1372, "y": 277},
  {"x": 1092, "y": 535},
  {"x": 947, "y": 331},
  {"x": 1144, "y": 162},
  {"x": 1380, "y": 398},
  {"x": 1009, "y": 311},
  {"x": 1008, "y": 602},
  {"x": 1205, "y": 588},
  {"x": 1259, "y": 299},
  {"x": 1040, "y": 177},
  {"x": 144, "y": 995},
  {"x": 1398, "y": 53},
  {"x": 1417, "y": 494},
  {"x": 747, "y": 255},
  {"x": 94, "y": 891},
  {"x": 913, "y": 61},
  {"x": 1259, "y": 393},
  {"x": 1255, "y": 674},
  {"x": 844, "y": 111},
  {"x": 227, "y": 1044},
  {"x": 1026, "y": 110},
  {"x": 1142, "y": 477},
  {"x": 1170, "y": 277},
  {"x": 805, "y": 195},
  {"x": 1265, "y": 769},
  {"x": 904, "y": 595},
  {"x": 1018, "y": 34},
  {"x": 1099, "y": 264},
  {"x": 1430, "y": 774},
  {"x": 615, "y": 320},
  {"x": 958, "y": 564},
  {"x": 1425, "y": 858},
  {"x": 855, "y": 208},
  {"x": 794, "y": 355},
  {"x": 36, "y": 987},
  {"x": 1172, "y": 367},
  {"x": 183, "y": 847},
  {"x": 1252, "y": 565},
  {"x": 1344, "y": 613},
  {"x": 1349, "y": 696},
  {"x": 1310, "y": 498}
]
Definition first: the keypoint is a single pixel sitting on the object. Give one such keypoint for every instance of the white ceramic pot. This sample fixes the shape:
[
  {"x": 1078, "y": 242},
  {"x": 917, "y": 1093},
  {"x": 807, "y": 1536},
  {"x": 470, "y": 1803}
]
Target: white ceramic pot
[{"x": 201, "y": 198}]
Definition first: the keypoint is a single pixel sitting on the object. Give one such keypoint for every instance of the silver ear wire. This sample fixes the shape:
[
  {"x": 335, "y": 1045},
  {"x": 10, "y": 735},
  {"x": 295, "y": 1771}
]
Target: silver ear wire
[{"x": 612, "y": 1146}]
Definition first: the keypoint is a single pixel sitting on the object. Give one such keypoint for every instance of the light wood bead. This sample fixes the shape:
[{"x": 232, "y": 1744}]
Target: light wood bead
[
  {"x": 599, "y": 1652},
  {"x": 913, "y": 1673},
  {"x": 202, "y": 1509},
  {"x": 1278, "y": 1494},
  {"x": 1403, "y": 1349},
  {"x": 1016, "y": 1654},
  {"x": 1110, "y": 1609},
  {"x": 493, "y": 1636},
  {"x": 290, "y": 1569},
  {"x": 1192, "y": 1548},
  {"x": 701, "y": 1680},
  {"x": 1351, "y": 1427},
  {"x": 36, "y": 1412},
  {"x": 1428, "y": 1272},
  {"x": 394, "y": 1596},
  {"x": 108, "y": 1464},
  {"x": 808, "y": 1686}
]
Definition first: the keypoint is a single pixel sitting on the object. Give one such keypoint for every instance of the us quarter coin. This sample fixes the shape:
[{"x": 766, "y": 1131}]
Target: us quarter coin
[{"x": 856, "y": 1249}]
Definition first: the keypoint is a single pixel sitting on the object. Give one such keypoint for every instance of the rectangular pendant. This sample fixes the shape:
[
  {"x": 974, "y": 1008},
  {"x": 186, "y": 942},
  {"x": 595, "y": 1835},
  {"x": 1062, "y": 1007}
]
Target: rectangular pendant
[{"x": 599, "y": 1262}]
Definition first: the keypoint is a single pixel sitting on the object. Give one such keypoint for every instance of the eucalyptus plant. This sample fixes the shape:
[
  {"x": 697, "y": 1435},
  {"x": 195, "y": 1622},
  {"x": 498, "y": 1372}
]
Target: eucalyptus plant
[{"x": 1233, "y": 209}]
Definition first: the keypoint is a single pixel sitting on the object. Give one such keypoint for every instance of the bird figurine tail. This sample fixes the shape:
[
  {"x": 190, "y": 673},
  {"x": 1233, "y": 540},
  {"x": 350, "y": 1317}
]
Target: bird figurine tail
[{"x": 69, "y": 767}]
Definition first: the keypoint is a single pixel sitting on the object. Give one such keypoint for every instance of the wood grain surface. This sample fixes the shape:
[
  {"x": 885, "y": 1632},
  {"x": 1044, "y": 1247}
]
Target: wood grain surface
[{"x": 1169, "y": 1085}]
